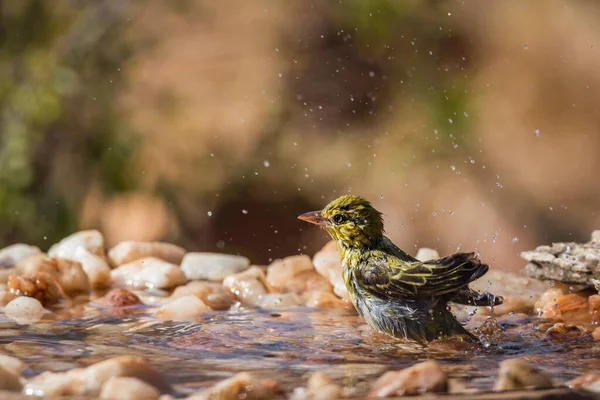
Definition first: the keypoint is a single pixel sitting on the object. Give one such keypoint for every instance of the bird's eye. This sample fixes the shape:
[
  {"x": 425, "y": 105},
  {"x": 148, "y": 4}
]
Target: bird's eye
[{"x": 338, "y": 218}]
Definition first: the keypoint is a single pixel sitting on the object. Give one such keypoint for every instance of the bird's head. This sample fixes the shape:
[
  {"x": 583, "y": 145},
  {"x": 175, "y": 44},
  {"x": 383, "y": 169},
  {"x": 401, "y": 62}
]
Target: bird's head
[{"x": 350, "y": 220}]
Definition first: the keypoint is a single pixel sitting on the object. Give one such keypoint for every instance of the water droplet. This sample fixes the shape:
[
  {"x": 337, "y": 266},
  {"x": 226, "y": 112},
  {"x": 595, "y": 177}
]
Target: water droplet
[
  {"x": 525, "y": 46},
  {"x": 371, "y": 74},
  {"x": 450, "y": 120},
  {"x": 266, "y": 163},
  {"x": 453, "y": 168},
  {"x": 209, "y": 213},
  {"x": 434, "y": 213},
  {"x": 349, "y": 165},
  {"x": 537, "y": 132},
  {"x": 515, "y": 240},
  {"x": 451, "y": 212},
  {"x": 245, "y": 212}
]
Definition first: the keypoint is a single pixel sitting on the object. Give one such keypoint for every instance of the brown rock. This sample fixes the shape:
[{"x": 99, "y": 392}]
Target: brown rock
[
  {"x": 560, "y": 330},
  {"x": 589, "y": 381},
  {"x": 240, "y": 386},
  {"x": 518, "y": 374},
  {"x": 555, "y": 304},
  {"x": 68, "y": 273},
  {"x": 421, "y": 378},
  {"x": 296, "y": 274},
  {"x": 596, "y": 334},
  {"x": 40, "y": 286},
  {"x": 186, "y": 308},
  {"x": 319, "y": 387},
  {"x": 125, "y": 388},
  {"x": 120, "y": 298}
]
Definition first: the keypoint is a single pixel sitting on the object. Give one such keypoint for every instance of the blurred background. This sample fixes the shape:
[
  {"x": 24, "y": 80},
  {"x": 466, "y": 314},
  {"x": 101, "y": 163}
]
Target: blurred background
[{"x": 213, "y": 124}]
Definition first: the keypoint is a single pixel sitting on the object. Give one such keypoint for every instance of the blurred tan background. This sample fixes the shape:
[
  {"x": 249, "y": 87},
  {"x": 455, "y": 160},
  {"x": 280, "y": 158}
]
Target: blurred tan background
[{"x": 213, "y": 124}]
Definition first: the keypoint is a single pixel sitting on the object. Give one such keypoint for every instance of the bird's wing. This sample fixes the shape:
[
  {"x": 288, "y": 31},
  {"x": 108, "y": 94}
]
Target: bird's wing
[{"x": 388, "y": 276}]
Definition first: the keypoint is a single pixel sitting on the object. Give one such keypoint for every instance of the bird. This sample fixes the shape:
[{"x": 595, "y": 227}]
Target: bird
[{"x": 395, "y": 293}]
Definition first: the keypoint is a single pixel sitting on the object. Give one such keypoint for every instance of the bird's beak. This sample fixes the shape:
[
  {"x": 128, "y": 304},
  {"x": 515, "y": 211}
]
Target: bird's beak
[{"x": 314, "y": 217}]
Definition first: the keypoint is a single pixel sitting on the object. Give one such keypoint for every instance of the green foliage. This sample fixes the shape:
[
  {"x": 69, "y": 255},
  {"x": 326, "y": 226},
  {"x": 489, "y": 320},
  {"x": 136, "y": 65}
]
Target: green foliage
[{"x": 61, "y": 67}]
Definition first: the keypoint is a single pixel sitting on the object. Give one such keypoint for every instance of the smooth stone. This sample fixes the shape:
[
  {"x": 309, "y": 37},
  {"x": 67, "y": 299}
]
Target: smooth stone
[
  {"x": 118, "y": 298},
  {"x": 12, "y": 364},
  {"x": 249, "y": 286},
  {"x": 328, "y": 264},
  {"x": 24, "y": 310},
  {"x": 95, "y": 267},
  {"x": 68, "y": 273},
  {"x": 212, "y": 266},
  {"x": 125, "y": 388},
  {"x": 9, "y": 380},
  {"x": 554, "y": 304},
  {"x": 518, "y": 374},
  {"x": 427, "y": 254},
  {"x": 186, "y": 308},
  {"x": 213, "y": 294},
  {"x": 149, "y": 272},
  {"x": 14, "y": 254},
  {"x": 126, "y": 252},
  {"x": 90, "y": 240}
]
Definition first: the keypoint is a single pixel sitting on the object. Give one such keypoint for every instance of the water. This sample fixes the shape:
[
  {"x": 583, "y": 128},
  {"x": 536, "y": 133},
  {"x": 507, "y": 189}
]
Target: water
[{"x": 286, "y": 345}]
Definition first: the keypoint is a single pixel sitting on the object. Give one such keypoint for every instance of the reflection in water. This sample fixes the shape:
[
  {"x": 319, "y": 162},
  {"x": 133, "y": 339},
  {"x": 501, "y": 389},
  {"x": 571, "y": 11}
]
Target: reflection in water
[{"x": 282, "y": 344}]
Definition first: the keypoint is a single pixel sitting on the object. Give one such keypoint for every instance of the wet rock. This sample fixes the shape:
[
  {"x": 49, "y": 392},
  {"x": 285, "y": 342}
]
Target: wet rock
[
  {"x": 328, "y": 264},
  {"x": 596, "y": 334},
  {"x": 565, "y": 262},
  {"x": 185, "y": 308},
  {"x": 90, "y": 240},
  {"x": 589, "y": 382},
  {"x": 24, "y": 310},
  {"x": 421, "y": 378},
  {"x": 6, "y": 272},
  {"x": 249, "y": 286},
  {"x": 95, "y": 267},
  {"x": 594, "y": 306},
  {"x": 326, "y": 300},
  {"x": 14, "y": 254},
  {"x": 562, "y": 331},
  {"x": 9, "y": 380},
  {"x": 240, "y": 386},
  {"x": 212, "y": 266},
  {"x": 149, "y": 272},
  {"x": 554, "y": 304},
  {"x": 519, "y": 292},
  {"x": 518, "y": 374},
  {"x": 319, "y": 387},
  {"x": 120, "y": 298},
  {"x": 68, "y": 273},
  {"x": 124, "y": 388},
  {"x": 278, "y": 301},
  {"x": 40, "y": 286},
  {"x": 89, "y": 381},
  {"x": 126, "y": 252},
  {"x": 12, "y": 364},
  {"x": 296, "y": 274},
  {"x": 212, "y": 294},
  {"x": 426, "y": 254}
]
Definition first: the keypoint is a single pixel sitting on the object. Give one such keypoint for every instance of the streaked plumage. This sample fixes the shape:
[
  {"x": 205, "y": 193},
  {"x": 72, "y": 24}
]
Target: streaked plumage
[{"x": 395, "y": 293}]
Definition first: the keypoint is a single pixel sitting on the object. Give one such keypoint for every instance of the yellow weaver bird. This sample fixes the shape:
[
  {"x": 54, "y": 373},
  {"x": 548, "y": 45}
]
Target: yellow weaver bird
[{"x": 395, "y": 293}]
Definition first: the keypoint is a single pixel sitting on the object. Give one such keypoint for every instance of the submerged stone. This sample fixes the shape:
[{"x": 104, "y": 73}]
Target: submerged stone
[
  {"x": 213, "y": 294},
  {"x": 240, "y": 386},
  {"x": 319, "y": 387},
  {"x": 518, "y": 374},
  {"x": 249, "y": 286},
  {"x": 125, "y": 388},
  {"x": 186, "y": 308},
  {"x": 421, "y": 378}
]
